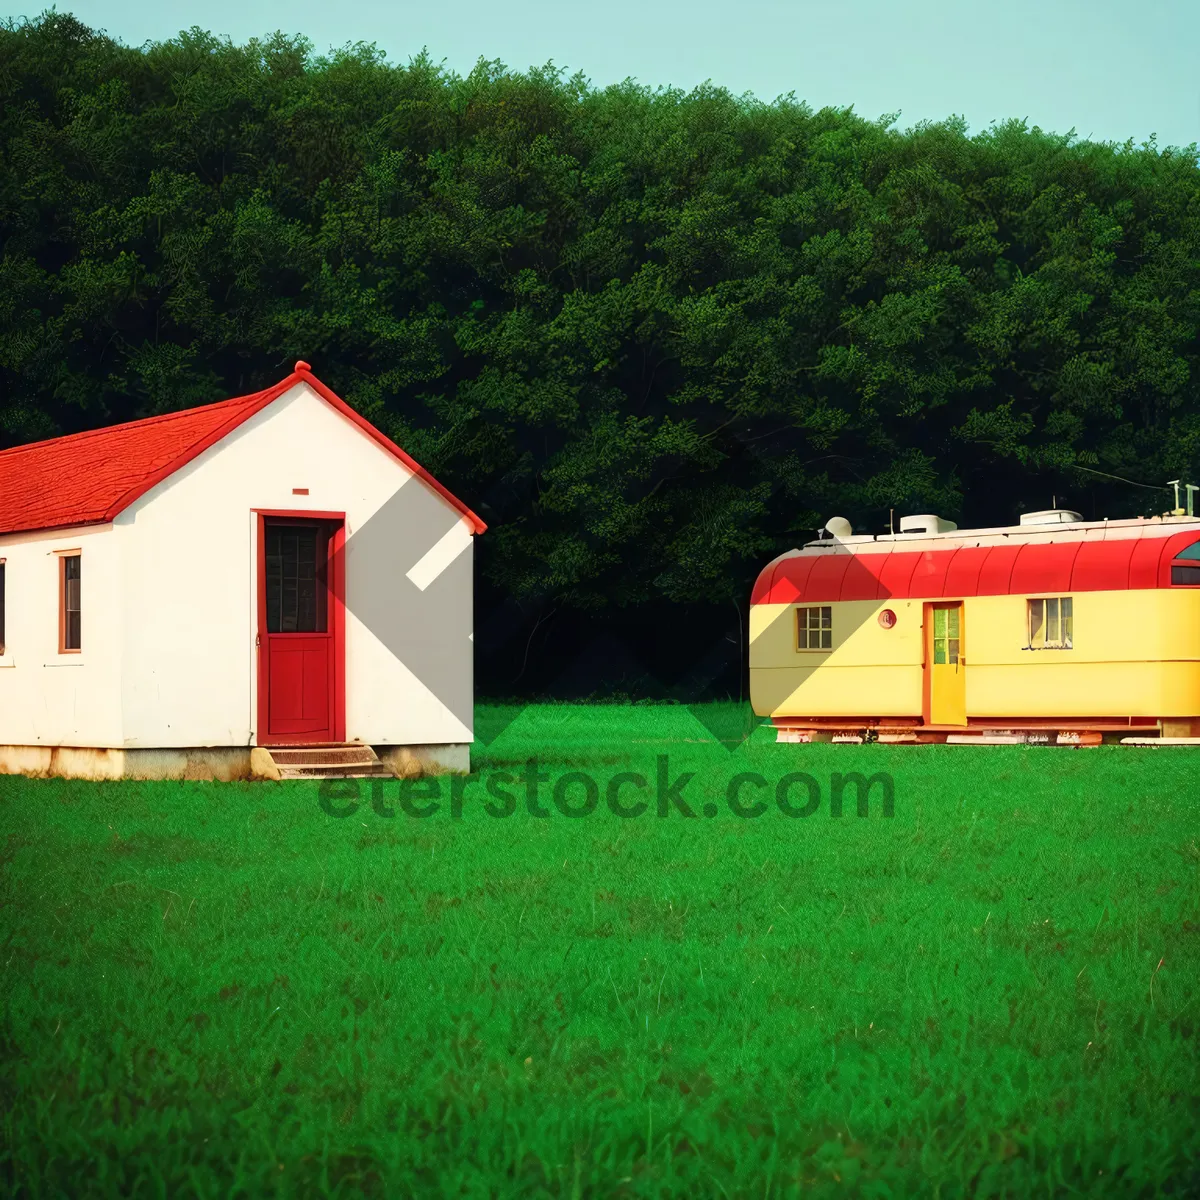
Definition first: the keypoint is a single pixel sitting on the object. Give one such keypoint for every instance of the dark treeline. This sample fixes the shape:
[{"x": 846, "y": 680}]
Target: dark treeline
[{"x": 652, "y": 338}]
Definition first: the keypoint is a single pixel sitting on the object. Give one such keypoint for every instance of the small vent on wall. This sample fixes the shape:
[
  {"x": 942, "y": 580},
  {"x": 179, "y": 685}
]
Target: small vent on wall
[{"x": 299, "y": 491}]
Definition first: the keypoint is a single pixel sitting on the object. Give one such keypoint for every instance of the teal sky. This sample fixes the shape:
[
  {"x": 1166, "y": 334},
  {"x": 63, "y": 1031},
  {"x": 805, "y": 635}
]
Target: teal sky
[{"x": 1112, "y": 69}]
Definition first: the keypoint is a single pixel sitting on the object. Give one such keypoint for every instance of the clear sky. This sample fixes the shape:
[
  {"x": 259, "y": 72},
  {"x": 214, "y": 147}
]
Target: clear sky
[{"x": 1112, "y": 69}]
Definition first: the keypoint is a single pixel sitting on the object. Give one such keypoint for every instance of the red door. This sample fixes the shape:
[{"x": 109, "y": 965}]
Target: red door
[{"x": 299, "y": 660}]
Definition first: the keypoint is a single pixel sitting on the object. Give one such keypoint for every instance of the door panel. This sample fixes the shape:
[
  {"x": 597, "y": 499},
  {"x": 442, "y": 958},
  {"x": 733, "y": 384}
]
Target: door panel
[
  {"x": 299, "y": 693},
  {"x": 296, "y": 639},
  {"x": 945, "y": 666}
]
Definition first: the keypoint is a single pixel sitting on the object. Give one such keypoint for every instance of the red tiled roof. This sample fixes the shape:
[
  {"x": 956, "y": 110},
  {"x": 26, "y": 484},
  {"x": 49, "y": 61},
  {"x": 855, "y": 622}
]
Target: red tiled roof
[{"x": 88, "y": 478}]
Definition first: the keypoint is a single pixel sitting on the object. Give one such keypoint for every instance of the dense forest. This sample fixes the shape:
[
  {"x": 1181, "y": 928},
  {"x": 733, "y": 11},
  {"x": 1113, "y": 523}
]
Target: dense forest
[{"x": 653, "y": 338}]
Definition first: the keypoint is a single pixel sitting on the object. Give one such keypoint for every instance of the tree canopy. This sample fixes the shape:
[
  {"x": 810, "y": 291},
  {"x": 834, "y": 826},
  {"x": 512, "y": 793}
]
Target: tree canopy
[{"x": 653, "y": 338}]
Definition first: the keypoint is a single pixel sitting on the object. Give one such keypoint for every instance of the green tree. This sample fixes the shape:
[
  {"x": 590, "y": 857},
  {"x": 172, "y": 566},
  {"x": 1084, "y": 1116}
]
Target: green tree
[{"x": 655, "y": 337}]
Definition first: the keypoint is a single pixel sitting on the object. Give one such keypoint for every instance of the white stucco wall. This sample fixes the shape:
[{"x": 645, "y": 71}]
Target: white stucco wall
[
  {"x": 189, "y": 553},
  {"x": 48, "y": 698}
]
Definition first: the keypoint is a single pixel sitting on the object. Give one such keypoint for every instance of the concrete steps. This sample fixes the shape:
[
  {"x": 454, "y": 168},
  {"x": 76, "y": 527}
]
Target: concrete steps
[{"x": 349, "y": 760}]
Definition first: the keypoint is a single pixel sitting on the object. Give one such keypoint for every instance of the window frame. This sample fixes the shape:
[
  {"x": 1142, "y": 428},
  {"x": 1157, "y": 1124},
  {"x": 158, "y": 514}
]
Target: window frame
[
  {"x": 322, "y": 542},
  {"x": 63, "y": 556},
  {"x": 1186, "y": 562},
  {"x": 950, "y": 637},
  {"x": 1063, "y": 618},
  {"x": 823, "y": 628}
]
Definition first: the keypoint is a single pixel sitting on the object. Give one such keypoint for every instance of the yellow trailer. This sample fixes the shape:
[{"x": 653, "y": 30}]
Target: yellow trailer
[{"x": 1060, "y": 625}]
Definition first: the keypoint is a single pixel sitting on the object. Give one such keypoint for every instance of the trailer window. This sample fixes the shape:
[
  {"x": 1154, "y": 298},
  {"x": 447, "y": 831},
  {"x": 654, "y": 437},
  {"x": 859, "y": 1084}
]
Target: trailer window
[
  {"x": 946, "y": 635},
  {"x": 1050, "y": 624},
  {"x": 814, "y": 628},
  {"x": 1185, "y": 574}
]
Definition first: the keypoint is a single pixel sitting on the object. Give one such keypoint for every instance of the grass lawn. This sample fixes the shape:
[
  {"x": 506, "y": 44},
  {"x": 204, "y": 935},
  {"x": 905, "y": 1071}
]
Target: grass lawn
[{"x": 223, "y": 990}]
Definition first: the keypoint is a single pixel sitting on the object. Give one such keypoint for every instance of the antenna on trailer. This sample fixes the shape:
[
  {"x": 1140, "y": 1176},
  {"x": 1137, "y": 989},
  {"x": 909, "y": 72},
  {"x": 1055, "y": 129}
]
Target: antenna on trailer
[
  {"x": 891, "y": 521},
  {"x": 1176, "y": 511},
  {"x": 1190, "y": 488}
]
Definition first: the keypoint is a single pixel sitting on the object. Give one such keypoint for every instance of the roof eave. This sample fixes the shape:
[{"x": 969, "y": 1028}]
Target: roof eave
[
  {"x": 205, "y": 443},
  {"x": 85, "y": 524}
]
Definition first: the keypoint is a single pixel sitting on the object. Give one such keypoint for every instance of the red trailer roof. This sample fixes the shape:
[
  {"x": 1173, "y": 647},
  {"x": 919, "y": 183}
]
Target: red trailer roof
[
  {"x": 1030, "y": 568},
  {"x": 88, "y": 478}
]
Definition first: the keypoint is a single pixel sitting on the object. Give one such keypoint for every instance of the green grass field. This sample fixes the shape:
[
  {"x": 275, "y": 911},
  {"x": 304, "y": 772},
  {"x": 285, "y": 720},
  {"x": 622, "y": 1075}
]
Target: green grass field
[{"x": 222, "y": 990}]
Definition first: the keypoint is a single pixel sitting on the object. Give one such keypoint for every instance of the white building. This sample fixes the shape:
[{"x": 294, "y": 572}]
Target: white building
[{"x": 269, "y": 571}]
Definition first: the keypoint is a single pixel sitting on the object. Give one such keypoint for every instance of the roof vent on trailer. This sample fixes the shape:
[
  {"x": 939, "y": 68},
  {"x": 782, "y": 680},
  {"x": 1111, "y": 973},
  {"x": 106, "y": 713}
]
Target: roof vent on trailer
[
  {"x": 926, "y": 523},
  {"x": 1051, "y": 516},
  {"x": 838, "y": 527}
]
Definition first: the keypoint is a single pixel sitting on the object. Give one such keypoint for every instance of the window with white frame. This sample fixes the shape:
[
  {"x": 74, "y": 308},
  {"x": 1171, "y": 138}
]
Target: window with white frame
[{"x": 1050, "y": 623}]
